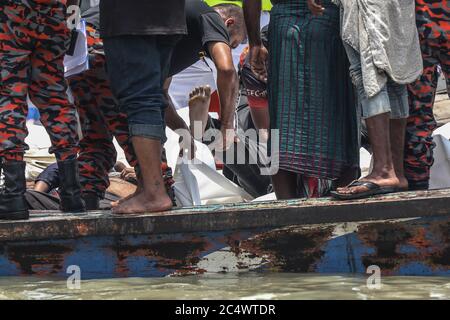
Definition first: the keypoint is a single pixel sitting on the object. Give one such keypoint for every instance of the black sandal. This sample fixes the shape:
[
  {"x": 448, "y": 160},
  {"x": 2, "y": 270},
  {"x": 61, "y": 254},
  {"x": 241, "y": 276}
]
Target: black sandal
[{"x": 374, "y": 189}]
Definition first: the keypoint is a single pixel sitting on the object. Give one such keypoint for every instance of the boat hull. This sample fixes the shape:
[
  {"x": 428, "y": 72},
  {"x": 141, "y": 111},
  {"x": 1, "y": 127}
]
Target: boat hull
[{"x": 272, "y": 237}]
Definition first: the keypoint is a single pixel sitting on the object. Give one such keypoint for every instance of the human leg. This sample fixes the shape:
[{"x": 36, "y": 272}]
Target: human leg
[
  {"x": 97, "y": 154},
  {"x": 377, "y": 113},
  {"x": 138, "y": 85},
  {"x": 14, "y": 79},
  {"x": 48, "y": 92},
  {"x": 419, "y": 144},
  {"x": 285, "y": 184}
]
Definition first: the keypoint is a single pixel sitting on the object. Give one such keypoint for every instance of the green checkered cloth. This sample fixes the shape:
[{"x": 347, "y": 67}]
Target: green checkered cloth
[{"x": 311, "y": 97}]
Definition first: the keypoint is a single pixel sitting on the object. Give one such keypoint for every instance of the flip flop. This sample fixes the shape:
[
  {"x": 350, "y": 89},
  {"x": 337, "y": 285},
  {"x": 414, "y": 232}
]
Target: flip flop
[{"x": 374, "y": 189}]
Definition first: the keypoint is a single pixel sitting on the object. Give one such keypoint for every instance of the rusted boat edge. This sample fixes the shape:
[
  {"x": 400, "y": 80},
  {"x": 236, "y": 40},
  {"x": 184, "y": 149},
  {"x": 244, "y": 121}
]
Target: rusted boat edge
[{"x": 55, "y": 225}]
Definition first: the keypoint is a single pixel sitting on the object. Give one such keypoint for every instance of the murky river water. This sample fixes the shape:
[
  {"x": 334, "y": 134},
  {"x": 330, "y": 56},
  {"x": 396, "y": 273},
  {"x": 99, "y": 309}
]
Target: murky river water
[{"x": 230, "y": 286}]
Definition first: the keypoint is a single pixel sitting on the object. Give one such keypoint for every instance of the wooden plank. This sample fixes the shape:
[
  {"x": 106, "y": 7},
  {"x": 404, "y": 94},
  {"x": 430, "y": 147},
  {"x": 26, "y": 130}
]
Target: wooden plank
[{"x": 56, "y": 225}]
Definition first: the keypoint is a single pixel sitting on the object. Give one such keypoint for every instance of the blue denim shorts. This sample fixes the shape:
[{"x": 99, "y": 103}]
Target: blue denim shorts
[
  {"x": 137, "y": 68},
  {"x": 393, "y": 98}
]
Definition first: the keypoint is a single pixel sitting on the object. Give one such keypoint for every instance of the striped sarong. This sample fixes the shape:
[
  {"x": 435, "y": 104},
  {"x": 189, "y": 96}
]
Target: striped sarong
[{"x": 311, "y": 97}]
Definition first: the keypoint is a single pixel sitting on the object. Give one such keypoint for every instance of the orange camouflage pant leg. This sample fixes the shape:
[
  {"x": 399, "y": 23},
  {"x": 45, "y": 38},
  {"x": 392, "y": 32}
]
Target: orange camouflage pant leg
[
  {"x": 34, "y": 42},
  {"x": 101, "y": 121},
  {"x": 421, "y": 122},
  {"x": 14, "y": 74}
]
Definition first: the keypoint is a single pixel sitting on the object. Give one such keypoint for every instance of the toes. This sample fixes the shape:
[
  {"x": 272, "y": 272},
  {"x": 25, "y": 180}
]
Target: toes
[
  {"x": 351, "y": 190},
  {"x": 357, "y": 190},
  {"x": 193, "y": 93},
  {"x": 207, "y": 90},
  {"x": 201, "y": 91}
]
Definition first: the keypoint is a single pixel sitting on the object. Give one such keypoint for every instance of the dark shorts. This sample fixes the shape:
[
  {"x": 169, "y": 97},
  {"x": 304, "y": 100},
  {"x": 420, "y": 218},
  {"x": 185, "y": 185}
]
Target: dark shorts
[{"x": 137, "y": 68}]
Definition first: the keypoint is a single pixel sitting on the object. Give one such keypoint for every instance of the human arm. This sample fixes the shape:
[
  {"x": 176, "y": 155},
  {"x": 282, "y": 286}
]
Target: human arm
[
  {"x": 227, "y": 86},
  {"x": 176, "y": 123},
  {"x": 48, "y": 179},
  {"x": 173, "y": 119},
  {"x": 258, "y": 53}
]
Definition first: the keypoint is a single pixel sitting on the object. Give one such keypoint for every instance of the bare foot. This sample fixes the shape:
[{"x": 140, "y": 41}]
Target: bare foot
[
  {"x": 199, "y": 100},
  {"x": 142, "y": 203},
  {"x": 116, "y": 203},
  {"x": 347, "y": 177},
  {"x": 126, "y": 174},
  {"x": 382, "y": 182}
]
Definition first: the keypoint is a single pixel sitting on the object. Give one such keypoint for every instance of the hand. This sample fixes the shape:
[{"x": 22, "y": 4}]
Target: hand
[
  {"x": 187, "y": 144},
  {"x": 128, "y": 174},
  {"x": 315, "y": 7},
  {"x": 258, "y": 61}
]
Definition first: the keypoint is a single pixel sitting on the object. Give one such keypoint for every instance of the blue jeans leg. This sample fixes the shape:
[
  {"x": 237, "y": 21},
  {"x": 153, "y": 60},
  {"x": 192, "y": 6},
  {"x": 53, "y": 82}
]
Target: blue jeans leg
[
  {"x": 372, "y": 106},
  {"x": 137, "y": 67},
  {"x": 398, "y": 97}
]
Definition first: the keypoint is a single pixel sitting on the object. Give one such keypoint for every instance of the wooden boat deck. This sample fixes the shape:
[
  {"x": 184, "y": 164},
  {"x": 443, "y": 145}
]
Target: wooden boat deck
[{"x": 240, "y": 216}]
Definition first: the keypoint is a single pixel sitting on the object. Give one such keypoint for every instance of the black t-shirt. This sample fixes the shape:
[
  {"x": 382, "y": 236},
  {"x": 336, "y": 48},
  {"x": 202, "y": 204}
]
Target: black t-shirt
[
  {"x": 142, "y": 17},
  {"x": 204, "y": 25}
]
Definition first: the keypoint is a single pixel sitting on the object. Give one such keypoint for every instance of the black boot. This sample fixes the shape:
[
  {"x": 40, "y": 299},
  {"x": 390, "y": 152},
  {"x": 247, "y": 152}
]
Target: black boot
[
  {"x": 69, "y": 186},
  {"x": 91, "y": 200},
  {"x": 13, "y": 205}
]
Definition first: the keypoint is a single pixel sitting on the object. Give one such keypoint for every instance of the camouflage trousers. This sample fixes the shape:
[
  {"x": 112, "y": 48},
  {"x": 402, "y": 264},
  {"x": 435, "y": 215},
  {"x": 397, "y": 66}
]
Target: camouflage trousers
[
  {"x": 100, "y": 119},
  {"x": 33, "y": 42},
  {"x": 421, "y": 123}
]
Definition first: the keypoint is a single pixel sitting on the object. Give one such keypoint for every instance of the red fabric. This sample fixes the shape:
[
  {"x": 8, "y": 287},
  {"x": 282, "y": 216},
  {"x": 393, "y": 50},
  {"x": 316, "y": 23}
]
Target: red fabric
[
  {"x": 257, "y": 103},
  {"x": 214, "y": 105}
]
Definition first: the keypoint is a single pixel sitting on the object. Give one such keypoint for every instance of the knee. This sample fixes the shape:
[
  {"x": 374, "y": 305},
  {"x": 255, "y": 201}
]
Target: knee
[{"x": 149, "y": 110}]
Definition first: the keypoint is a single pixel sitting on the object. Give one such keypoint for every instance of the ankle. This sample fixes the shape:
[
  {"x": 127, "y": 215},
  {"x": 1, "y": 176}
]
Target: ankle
[
  {"x": 385, "y": 171},
  {"x": 155, "y": 193}
]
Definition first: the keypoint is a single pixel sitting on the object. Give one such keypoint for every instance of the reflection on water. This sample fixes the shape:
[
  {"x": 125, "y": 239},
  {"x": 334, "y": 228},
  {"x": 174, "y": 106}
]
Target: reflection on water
[{"x": 231, "y": 286}]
